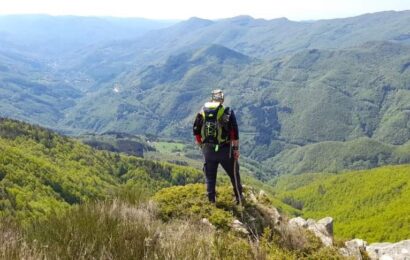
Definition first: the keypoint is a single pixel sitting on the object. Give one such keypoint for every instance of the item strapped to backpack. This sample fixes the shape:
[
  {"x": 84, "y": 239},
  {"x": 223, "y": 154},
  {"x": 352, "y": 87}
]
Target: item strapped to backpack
[{"x": 215, "y": 124}]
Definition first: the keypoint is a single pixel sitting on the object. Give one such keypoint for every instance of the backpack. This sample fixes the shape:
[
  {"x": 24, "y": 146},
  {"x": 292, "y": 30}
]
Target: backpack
[{"x": 215, "y": 126}]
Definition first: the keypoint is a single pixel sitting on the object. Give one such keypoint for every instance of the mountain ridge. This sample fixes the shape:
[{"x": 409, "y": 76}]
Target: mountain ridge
[
  {"x": 281, "y": 96},
  {"x": 355, "y": 91}
]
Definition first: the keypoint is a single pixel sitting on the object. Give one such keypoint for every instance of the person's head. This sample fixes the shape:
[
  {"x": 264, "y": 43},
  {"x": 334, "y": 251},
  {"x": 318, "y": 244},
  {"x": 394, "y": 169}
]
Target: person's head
[{"x": 217, "y": 96}]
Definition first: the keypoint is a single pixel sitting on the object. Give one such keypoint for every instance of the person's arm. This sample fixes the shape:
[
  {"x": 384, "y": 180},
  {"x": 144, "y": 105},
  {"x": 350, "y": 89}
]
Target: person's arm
[
  {"x": 197, "y": 128},
  {"x": 234, "y": 134}
]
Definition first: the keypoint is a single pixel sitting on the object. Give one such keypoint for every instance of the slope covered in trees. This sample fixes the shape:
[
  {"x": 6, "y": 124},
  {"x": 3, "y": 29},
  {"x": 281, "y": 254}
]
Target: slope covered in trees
[
  {"x": 370, "y": 204},
  {"x": 334, "y": 156},
  {"x": 42, "y": 172}
]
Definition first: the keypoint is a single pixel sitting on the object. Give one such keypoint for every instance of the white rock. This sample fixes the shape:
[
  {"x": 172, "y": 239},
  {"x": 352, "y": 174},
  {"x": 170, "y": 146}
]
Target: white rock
[
  {"x": 206, "y": 222},
  {"x": 262, "y": 195},
  {"x": 320, "y": 229},
  {"x": 353, "y": 248},
  {"x": 239, "y": 227},
  {"x": 396, "y": 251},
  {"x": 298, "y": 221},
  {"x": 321, "y": 234},
  {"x": 328, "y": 224}
]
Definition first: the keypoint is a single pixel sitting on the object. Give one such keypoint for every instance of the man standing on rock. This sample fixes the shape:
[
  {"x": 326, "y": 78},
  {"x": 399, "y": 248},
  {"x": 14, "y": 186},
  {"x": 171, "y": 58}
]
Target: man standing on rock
[{"x": 216, "y": 131}]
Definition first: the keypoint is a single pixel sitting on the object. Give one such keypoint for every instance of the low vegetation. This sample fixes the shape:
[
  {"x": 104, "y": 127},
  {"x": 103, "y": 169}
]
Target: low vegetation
[{"x": 119, "y": 229}]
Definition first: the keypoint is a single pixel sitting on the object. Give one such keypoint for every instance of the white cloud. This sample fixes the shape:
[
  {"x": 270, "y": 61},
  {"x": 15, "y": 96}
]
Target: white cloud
[{"x": 211, "y": 9}]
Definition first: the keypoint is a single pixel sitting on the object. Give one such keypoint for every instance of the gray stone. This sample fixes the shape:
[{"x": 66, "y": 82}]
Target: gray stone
[
  {"x": 321, "y": 233},
  {"x": 262, "y": 195},
  {"x": 353, "y": 249},
  {"x": 238, "y": 226},
  {"x": 328, "y": 224},
  {"x": 299, "y": 221},
  {"x": 319, "y": 229},
  {"x": 396, "y": 251},
  {"x": 206, "y": 222}
]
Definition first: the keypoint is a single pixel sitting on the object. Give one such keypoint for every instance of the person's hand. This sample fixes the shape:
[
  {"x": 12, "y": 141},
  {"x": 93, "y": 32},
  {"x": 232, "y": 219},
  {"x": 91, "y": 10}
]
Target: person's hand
[
  {"x": 198, "y": 140},
  {"x": 236, "y": 154}
]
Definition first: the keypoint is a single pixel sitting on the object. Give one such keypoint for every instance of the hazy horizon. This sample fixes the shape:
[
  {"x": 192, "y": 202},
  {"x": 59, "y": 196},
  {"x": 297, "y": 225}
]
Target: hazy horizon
[
  {"x": 178, "y": 20},
  {"x": 295, "y": 10}
]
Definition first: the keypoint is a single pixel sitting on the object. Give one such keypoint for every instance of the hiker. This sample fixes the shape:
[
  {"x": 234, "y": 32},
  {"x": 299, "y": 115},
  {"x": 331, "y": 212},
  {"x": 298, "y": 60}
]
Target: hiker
[{"x": 216, "y": 132}]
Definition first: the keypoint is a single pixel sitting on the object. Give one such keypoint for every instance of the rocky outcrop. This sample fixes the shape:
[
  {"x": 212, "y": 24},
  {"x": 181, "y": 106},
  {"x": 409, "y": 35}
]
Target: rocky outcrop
[
  {"x": 354, "y": 249},
  {"x": 239, "y": 227},
  {"x": 269, "y": 213},
  {"x": 323, "y": 229},
  {"x": 358, "y": 248},
  {"x": 386, "y": 251}
]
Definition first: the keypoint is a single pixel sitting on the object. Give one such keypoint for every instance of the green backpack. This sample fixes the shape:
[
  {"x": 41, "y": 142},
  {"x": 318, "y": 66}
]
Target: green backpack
[{"x": 215, "y": 129}]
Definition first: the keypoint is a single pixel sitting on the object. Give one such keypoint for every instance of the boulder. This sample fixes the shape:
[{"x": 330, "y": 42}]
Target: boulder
[
  {"x": 299, "y": 221},
  {"x": 262, "y": 196},
  {"x": 354, "y": 248},
  {"x": 320, "y": 230},
  {"x": 327, "y": 222},
  {"x": 206, "y": 222},
  {"x": 270, "y": 214},
  {"x": 323, "y": 229},
  {"x": 239, "y": 227},
  {"x": 384, "y": 251}
]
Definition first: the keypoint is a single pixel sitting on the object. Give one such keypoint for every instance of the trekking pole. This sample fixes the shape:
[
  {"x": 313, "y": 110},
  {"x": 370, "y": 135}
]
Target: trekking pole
[
  {"x": 236, "y": 181},
  {"x": 234, "y": 175}
]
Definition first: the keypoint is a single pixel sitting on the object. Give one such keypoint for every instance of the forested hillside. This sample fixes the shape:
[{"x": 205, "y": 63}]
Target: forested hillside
[
  {"x": 42, "y": 172},
  {"x": 336, "y": 156},
  {"x": 370, "y": 204}
]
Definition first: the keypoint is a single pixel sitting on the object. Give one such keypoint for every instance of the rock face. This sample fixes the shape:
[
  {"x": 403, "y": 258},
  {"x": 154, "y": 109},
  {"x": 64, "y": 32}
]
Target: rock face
[
  {"x": 323, "y": 228},
  {"x": 377, "y": 251},
  {"x": 269, "y": 213},
  {"x": 238, "y": 226},
  {"x": 384, "y": 251},
  {"x": 354, "y": 249}
]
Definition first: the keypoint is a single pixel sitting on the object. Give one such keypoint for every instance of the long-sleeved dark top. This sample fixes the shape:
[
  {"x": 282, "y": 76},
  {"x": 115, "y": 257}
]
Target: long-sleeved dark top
[{"x": 232, "y": 126}]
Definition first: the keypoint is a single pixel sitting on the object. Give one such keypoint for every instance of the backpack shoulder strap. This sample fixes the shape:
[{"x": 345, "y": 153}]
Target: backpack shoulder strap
[{"x": 220, "y": 113}]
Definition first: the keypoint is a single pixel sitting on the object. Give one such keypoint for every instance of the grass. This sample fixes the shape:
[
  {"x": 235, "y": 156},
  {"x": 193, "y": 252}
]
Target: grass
[
  {"x": 169, "y": 147},
  {"x": 120, "y": 230}
]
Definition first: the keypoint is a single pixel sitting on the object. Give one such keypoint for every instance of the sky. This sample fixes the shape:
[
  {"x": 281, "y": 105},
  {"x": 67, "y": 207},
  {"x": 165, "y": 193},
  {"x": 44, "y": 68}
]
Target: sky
[{"x": 208, "y": 9}]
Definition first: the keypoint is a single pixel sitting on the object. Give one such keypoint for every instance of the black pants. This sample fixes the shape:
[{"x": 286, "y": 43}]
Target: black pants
[{"x": 212, "y": 160}]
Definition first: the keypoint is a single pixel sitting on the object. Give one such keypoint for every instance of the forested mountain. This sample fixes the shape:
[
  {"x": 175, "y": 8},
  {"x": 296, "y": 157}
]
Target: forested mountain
[
  {"x": 254, "y": 37},
  {"x": 336, "y": 156},
  {"x": 292, "y": 84},
  {"x": 47, "y": 36},
  {"x": 309, "y": 97}
]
